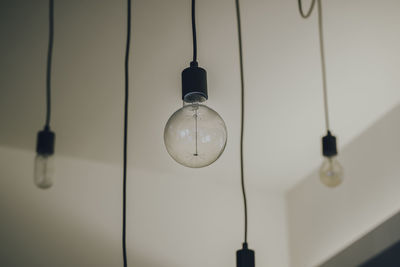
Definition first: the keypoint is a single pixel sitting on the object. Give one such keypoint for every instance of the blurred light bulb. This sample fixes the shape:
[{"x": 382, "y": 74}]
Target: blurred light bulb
[
  {"x": 331, "y": 172},
  {"x": 195, "y": 135},
  {"x": 44, "y": 171},
  {"x": 44, "y": 161}
]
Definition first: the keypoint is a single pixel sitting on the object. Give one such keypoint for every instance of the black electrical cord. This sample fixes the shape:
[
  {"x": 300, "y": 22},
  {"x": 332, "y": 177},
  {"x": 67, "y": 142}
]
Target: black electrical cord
[
  {"x": 322, "y": 51},
  {"x": 128, "y": 41},
  {"x": 242, "y": 117},
  {"x": 49, "y": 60},
  {"x": 194, "y": 30},
  {"x": 306, "y": 15}
]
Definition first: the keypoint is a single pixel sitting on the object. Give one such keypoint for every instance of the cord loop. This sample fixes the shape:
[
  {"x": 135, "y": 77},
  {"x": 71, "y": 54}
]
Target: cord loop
[{"x": 309, "y": 10}]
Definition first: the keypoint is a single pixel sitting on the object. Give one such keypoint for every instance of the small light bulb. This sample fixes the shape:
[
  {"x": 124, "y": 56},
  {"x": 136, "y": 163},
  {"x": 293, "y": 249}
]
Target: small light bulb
[
  {"x": 44, "y": 165},
  {"x": 44, "y": 171},
  {"x": 331, "y": 172},
  {"x": 195, "y": 135}
]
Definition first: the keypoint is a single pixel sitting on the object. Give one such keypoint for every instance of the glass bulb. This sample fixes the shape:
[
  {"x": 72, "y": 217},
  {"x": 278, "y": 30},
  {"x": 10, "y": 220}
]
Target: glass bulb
[
  {"x": 44, "y": 170},
  {"x": 331, "y": 172},
  {"x": 195, "y": 135}
]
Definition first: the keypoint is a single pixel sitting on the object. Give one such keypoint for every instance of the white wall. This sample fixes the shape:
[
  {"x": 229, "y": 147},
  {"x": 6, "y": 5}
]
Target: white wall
[
  {"x": 282, "y": 95},
  {"x": 172, "y": 220},
  {"x": 323, "y": 221}
]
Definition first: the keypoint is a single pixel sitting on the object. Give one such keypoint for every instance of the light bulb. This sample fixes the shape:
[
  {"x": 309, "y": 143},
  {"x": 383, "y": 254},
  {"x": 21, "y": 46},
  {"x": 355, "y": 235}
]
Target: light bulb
[
  {"x": 44, "y": 171},
  {"x": 331, "y": 172},
  {"x": 44, "y": 165},
  {"x": 195, "y": 135}
]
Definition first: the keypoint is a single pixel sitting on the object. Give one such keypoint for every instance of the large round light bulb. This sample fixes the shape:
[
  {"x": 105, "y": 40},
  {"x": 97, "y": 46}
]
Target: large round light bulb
[
  {"x": 331, "y": 172},
  {"x": 195, "y": 135},
  {"x": 44, "y": 171}
]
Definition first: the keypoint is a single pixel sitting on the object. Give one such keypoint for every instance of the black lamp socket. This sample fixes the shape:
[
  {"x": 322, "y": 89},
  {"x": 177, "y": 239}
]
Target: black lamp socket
[
  {"x": 45, "y": 142},
  {"x": 329, "y": 148},
  {"x": 194, "y": 84},
  {"x": 245, "y": 257}
]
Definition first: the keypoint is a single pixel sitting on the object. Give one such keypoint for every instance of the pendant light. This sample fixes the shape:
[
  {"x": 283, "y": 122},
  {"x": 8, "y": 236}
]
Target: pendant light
[
  {"x": 125, "y": 142},
  {"x": 44, "y": 161},
  {"x": 330, "y": 172},
  {"x": 195, "y": 135},
  {"x": 244, "y": 257}
]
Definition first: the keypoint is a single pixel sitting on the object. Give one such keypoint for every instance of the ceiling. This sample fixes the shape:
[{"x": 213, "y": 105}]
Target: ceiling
[{"x": 283, "y": 112}]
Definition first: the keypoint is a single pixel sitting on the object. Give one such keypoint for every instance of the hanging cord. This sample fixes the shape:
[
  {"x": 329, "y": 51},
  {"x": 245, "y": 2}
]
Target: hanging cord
[
  {"x": 322, "y": 50},
  {"x": 194, "y": 31},
  {"x": 242, "y": 117},
  {"x": 128, "y": 41},
  {"x": 305, "y": 16},
  {"x": 49, "y": 59}
]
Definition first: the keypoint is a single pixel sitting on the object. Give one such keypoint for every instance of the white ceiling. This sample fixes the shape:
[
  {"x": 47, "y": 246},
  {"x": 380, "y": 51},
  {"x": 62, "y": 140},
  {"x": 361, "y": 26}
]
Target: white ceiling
[{"x": 284, "y": 120}]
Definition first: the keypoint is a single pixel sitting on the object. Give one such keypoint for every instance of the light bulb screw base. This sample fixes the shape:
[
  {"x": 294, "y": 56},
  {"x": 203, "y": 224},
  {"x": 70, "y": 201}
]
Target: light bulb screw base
[
  {"x": 245, "y": 257},
  {"x": 45, "y": 142},
  {"x": 329, "y": 148},
  {"x": 194, "y": 84}
]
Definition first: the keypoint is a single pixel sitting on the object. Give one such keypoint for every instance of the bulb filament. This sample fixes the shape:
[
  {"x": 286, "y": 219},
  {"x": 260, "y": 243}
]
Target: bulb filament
[{"x": 196, "y": 134}]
